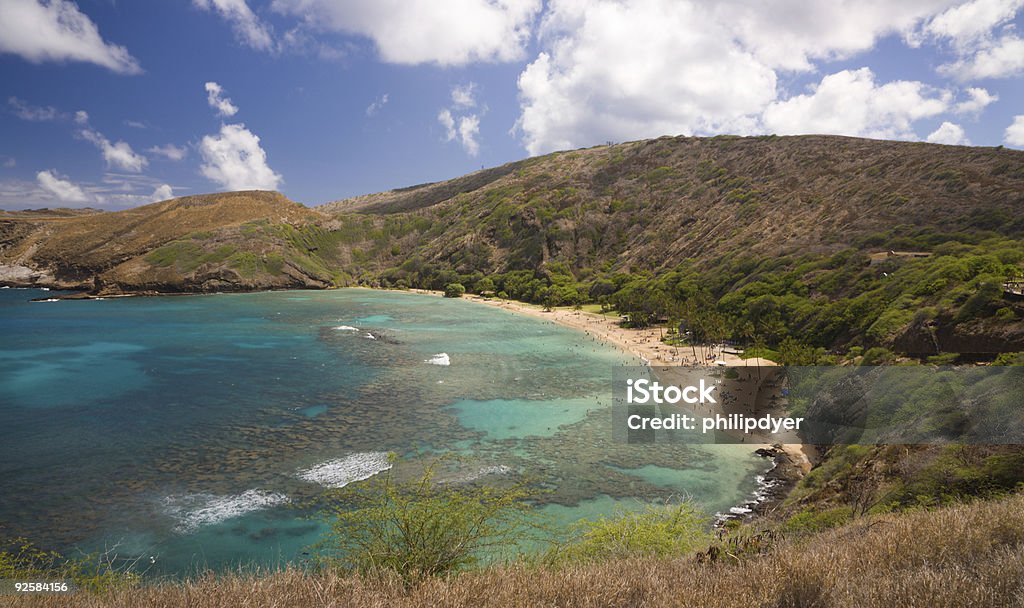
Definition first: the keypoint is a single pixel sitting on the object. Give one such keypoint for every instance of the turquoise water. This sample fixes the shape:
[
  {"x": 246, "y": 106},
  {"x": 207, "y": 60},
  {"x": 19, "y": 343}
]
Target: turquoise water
[{"x": 193, "y": 429}]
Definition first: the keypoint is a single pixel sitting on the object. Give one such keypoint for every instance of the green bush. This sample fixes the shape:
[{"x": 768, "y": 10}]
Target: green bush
[
  {"x": 483, "y": 285},
  {"x": 1010, "y": 359},
  {"x": 454, "y": 290},
  {"x": 419, "y": 528},
  {"x": 811, "y": 520},
  {"x": 656, "y": 531},
  {"x": 878, "y": 356}
]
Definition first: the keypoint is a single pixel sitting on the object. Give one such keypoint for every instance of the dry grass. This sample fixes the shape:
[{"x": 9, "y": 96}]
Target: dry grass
[{"x": 969, "y": 555}]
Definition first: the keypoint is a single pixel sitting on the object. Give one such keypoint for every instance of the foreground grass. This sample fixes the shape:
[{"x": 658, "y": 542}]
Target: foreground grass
[{"x": 965, "y": 555}]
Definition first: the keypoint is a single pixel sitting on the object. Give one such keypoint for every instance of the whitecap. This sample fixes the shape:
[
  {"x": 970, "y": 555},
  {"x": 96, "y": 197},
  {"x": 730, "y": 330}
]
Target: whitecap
[
  {"x": 195, "y": 510},
  {"x": 340, "y": 472},
  {"x": 739, "y": 510},
  {"x": 48, "y": 300},
  {"x": 439, "y": 359},
  {"x": 370, "y": 336},
  {"x": 346, "y": 328}
]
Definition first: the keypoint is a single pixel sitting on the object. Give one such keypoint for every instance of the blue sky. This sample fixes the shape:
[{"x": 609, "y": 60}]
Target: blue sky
[{"x": 114, "y": 104}]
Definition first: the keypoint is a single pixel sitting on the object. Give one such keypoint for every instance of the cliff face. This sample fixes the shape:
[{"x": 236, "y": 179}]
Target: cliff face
[{"x": 977, "y": 338}]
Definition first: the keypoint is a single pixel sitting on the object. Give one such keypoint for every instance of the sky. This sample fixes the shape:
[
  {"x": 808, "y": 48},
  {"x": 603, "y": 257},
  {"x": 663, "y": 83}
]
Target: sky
[{"x": 119, "y": 103}]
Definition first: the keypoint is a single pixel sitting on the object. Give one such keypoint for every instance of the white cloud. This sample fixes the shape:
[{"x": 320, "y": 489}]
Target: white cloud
[
  {"x": 1000, "y": 59},
  {"x": 57, "y": 30},
  {"x": 26, "y": 111},
  {"x": 448, "y": 122},
  {"x": 10, "y": 162},
  {"x": 464, "y": 96},
  {"x": 118, "y": 154},
  {"x": 234, "y": 160},
  {"x": 978, "y": 99},
  {"x": 851, "y": 103},
  {"x": 117, "y": 190},
  {"x": 981, "y": 34},
  {"x": 950, "y": 134},
  {"x": 81, "y": 117},
  {"x": 455, "y": 32},
  {"x": 246, "y": 25},
  {"x": 162, "y": 193},
  {"x": 628, "y": 69},
  {"x": 222, "y": 104},
  {"x": 136, "y": 124},
  {"x": 643, "y": 68},
  {"x": 61, "y": 189},
  {"x": 1014, "y": 135},
  {"x": 791, "y": 34},
  {"x": 380, "y": 102},
  {"x": 967, "y": 23},
  {"x": 469, "y": 131},
  {"x": 169, "y": 151},
  {"x": 460, "y": 125}
]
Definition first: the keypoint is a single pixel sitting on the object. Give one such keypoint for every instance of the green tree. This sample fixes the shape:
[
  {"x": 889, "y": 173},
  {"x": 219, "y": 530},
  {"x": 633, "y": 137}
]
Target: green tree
[
  {"x": 483, "y": 285},
  {"x": 454, "y": 290},
  {"x": 793, "y": 352}
]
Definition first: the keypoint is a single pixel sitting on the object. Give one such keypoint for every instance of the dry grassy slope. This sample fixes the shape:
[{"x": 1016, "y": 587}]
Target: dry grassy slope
[
  {"x": 77, "y": 249},
  {"x": 654, "y": 203},
  {"x": 639, "y": 205},
  {"x": 967, "y": 555},
  {"x": 423, "y": 195}
]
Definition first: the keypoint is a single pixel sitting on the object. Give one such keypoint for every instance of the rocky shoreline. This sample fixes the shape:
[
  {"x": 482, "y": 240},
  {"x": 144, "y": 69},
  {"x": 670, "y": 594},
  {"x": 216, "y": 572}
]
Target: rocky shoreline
[{"x": 773, "y": 487}]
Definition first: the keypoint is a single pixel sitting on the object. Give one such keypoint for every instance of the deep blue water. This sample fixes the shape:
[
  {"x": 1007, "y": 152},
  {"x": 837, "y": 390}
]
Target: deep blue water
[{"x": 193, "y": 429}]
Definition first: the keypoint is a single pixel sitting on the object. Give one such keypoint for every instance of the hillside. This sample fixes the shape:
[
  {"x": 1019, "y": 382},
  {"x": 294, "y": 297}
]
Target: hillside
[
  {"x": 113, "y": 252},
  {"x": 779, "y": 237},
  {"x": 654, "y": 204}
]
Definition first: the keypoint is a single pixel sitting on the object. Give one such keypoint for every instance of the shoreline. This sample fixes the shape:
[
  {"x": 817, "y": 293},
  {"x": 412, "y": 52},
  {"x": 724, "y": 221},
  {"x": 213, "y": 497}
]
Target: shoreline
[{"x": 646, "y": 346}]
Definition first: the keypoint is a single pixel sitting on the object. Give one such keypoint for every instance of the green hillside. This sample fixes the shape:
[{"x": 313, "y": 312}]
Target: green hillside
[{"x": 831, "y": 242}]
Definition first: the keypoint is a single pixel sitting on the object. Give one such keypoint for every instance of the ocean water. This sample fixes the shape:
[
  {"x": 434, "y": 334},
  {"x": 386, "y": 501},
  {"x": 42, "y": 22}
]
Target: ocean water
[{"x": 199, "y": 431}]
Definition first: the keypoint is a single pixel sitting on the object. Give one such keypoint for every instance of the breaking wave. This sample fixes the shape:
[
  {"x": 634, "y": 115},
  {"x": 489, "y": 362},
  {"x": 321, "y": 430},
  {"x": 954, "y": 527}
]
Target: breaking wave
[
  {"x": 439, "y": 359},
  {"x": 340, "y": 472},
  {"x": 195, "y": 510}
]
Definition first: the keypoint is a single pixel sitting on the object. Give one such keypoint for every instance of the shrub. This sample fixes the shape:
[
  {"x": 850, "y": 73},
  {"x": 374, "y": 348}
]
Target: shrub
[
  {"x": 1009, "y": 359},
  {"x": 419, "y": 528},
  {"x": 454, "y": 290},
  {"x": 878, "y": 356},
  {"x": 809, "y": 521},
  {"x": 657, "y": 531}
]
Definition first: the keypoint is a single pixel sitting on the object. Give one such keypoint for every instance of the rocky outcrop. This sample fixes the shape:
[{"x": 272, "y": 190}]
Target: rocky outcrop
[{"x": 977, "y": 339}]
